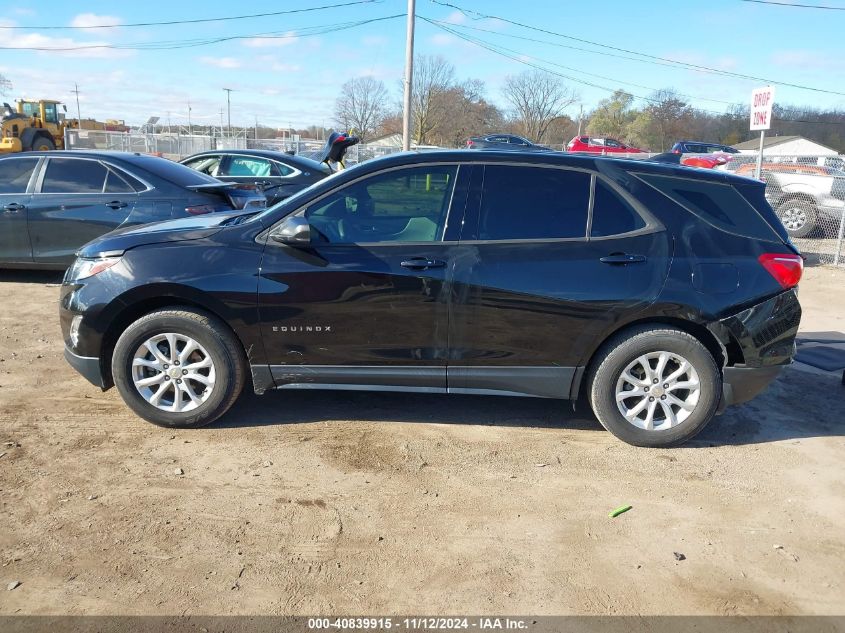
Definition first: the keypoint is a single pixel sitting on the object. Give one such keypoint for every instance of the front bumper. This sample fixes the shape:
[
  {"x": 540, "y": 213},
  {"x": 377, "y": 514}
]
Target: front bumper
[
  {"x": 741, "y": 384},
  {"x": 88, "y": 366}
]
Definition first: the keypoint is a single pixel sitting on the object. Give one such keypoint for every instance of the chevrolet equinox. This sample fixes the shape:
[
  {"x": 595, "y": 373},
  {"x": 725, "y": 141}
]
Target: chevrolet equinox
[{"x": 660, "y": 294}]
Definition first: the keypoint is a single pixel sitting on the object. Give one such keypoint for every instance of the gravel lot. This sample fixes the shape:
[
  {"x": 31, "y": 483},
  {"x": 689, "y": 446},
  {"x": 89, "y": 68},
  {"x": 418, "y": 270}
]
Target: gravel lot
[{"x": 306, "y": 503}]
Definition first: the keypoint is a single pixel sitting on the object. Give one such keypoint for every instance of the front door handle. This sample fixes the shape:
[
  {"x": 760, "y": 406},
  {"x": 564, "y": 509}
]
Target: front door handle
[
  {"x": 622, "y": 258},
  {"x": 14, "y": 207},
  {"x": 115, "y": 204},
  {"x": 422, "y": 263}
]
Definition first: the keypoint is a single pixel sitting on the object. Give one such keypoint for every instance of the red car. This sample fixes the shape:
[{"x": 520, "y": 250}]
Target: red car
[
  {"x": 596, "y": 145},
  {"x": 711, "y": 161}
]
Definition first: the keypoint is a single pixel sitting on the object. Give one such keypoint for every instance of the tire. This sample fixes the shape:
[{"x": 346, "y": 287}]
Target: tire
[
  {"x": 624, "y": 353},
  {"x": 43, "y": 144},
  {"x": 799, "y": 217},
  {"x": 208, "y": 379}
]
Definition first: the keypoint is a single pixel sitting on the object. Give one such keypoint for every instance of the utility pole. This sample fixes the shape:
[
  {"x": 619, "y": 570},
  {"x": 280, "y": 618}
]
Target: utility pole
[
  {"x": 221, "y": 122},
  {"x": 190, "y": 129},
  {"x": 169, "y": 131},
  {"x": 228, "y": 110},
  {"x": 78, "y": 115},
  {"x": 256, "y": 127},
  {"x": 409, "y": 76},
  {"x": 580, "y": 117}
]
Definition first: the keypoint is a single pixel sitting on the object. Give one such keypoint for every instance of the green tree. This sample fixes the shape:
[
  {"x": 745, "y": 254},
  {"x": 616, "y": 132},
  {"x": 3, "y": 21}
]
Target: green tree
[{"x": 612, "y": 116}]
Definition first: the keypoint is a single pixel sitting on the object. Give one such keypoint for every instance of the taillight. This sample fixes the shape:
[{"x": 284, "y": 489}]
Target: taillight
[{"x": 785, "y": 268}]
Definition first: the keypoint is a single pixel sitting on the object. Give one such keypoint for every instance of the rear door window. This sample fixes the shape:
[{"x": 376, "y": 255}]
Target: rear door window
[
  {"x": 72, "y": 175},
  {"x": 15, "y": 174},
  {"x": 717, "y": 204},
  {"x": 523, "y": 203},
  {"x": 249, "y": 167},
  {"x": 612, "y": 215}
]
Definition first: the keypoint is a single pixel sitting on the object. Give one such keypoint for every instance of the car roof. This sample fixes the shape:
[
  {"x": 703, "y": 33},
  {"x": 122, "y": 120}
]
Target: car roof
[
  {"x": 592, "y": 162},
  {"x": 283, "y": 157}
]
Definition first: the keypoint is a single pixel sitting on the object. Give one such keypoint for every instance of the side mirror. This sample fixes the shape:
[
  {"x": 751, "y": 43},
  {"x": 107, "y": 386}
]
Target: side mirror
[{"x": 294, "y": 231}]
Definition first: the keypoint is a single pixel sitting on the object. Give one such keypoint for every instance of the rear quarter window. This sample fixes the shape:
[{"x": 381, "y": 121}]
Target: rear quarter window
[
  {"x": 718, "y": 204},
  {"x": 611, "y": 214}
]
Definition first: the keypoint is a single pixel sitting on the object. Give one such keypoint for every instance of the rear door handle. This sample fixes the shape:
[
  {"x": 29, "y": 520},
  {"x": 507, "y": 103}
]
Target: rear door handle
[
  {"x": 14, "y": 207},
  {"x": 115, "y": 204},
  {"x": 622, "y": 258},
  {"x": 422, "y": 263}
]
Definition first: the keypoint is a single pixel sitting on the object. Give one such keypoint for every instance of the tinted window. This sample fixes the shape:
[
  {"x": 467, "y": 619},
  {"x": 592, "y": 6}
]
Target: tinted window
[
  {"x": 15, "y": 174},
  {"x": 282, "y": 169},
  {"x": 718, "y": 204},
  {"x": 116, "y": 184},
  {"x": 612, "y": 143},
  {"x": 612, "y": 215},
  {"x": 174, "y": 172},
  {"x": 533, "y": 203},
  {"x": 70, "y": 175},
  {"x": 407, "y": 205}
]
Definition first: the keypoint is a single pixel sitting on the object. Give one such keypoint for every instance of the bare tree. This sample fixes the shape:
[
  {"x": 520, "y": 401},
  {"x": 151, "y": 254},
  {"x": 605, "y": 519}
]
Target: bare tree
[
  {"x": 5, "y": 85},
  {"x": 538, "y": 99},
  {"x": 361, "y": 105},
  {"x": 433, "y": 78}
]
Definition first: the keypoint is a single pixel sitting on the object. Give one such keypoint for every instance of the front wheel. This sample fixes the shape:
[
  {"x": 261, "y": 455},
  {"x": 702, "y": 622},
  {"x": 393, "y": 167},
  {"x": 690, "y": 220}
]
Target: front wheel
[
  {"x": 43, "y": 144},
  {"x": 178, "y": 367},
  {"x": 654, "y": 386}
]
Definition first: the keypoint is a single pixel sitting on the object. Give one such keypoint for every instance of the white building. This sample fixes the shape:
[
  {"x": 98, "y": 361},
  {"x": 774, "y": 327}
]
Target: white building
[{"x": 785, "y": 146}]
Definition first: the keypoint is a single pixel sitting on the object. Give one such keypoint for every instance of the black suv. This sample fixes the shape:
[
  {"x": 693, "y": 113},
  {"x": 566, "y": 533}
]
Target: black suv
[{"x": 658, "y": 293}]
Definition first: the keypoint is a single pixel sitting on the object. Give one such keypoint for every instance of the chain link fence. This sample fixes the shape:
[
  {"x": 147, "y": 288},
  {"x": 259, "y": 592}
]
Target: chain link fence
[
  {"x": 806, "y": 192},
  {"x": 177, "y": 146}
]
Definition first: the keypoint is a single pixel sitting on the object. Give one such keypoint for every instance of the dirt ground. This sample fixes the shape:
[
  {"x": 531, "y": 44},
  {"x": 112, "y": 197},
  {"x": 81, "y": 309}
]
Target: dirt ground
[{"x": 354, "y": 503}]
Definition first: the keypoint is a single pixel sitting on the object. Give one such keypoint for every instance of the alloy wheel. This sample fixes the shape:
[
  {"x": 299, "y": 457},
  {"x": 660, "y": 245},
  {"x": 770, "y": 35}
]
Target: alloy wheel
[
  {"x": 173, "y": 372},
  {"x": 657, "y": 391}
]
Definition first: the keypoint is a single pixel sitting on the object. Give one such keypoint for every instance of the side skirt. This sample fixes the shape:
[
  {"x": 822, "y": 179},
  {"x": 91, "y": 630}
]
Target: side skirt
[{"x": 537, "y": 382}]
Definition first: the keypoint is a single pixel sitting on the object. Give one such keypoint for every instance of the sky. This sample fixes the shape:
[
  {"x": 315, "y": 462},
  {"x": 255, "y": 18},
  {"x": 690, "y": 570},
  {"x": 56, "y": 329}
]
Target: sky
[{"x": 286, "y": 70}]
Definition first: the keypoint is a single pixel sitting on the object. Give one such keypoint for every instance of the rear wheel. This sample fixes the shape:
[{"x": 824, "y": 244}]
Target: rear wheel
[
  {"x": 178, "y": 367},
  {"x": 43, "y": 144},
  {"x": 654, "y": 386},
  {"x": 798, "y": 217}
]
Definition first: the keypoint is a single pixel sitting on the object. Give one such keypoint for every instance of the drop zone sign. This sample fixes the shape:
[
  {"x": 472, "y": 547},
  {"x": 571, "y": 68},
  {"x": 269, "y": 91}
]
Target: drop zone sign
[{"x": 762, "y": 100}]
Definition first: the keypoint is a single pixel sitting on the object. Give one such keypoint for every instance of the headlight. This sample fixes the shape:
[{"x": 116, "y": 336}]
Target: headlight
[{"x": 84, "y": 268}]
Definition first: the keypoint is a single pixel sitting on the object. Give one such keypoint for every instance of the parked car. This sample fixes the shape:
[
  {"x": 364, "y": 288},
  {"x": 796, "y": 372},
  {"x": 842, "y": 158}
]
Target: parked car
[
  {"x": 659, "y": 293},
  {"x": 51, "y": 203},
  {"x": 698, "y": 147},
  {"x": 505, "y": 141},
  {"x": 806, "y": 198},
  {"x": 711, "y": 161},
  {"x": 596, "y": 145},
  {"x": 277, "y": 174}
]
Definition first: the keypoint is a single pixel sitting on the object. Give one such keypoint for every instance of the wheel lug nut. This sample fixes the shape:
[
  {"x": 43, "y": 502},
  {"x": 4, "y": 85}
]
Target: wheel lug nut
[
  {"x": 176, "y": 362},
  {"x": 666, "y": 386},
  {"x": 663, "y": 397},
  {"x": 179, "y": 380},
  {"x": 167, "y": 366},
  {"x": 167, "y": 377},
  {"x": 651, "y": 399},
  {"x": 646, "y": 389},
  {"x": 655, "y": 381},
  {"x": 184, "y": 372}
]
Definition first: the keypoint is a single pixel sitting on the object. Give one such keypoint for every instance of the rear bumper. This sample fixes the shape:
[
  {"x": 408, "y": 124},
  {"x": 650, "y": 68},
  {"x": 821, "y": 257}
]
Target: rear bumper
[
  {"x": 741, "y": 384},
  {"x": 88, "y": 366}
]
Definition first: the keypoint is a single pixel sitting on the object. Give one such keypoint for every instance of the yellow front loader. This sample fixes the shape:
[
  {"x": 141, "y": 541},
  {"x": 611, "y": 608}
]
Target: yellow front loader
[{"x": 33, "y": 126}]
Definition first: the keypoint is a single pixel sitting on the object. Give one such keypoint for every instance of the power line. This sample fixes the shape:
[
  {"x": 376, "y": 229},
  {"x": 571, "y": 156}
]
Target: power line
[
  {"x": 446, "y": 25},
  {"x": 197, "y": 21},
  {"x": 698, "y": 67},
  {"x": 174, "y": 44},
  {"x": 523, "y": 59},
  {"x": 797, "y": 6}
]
